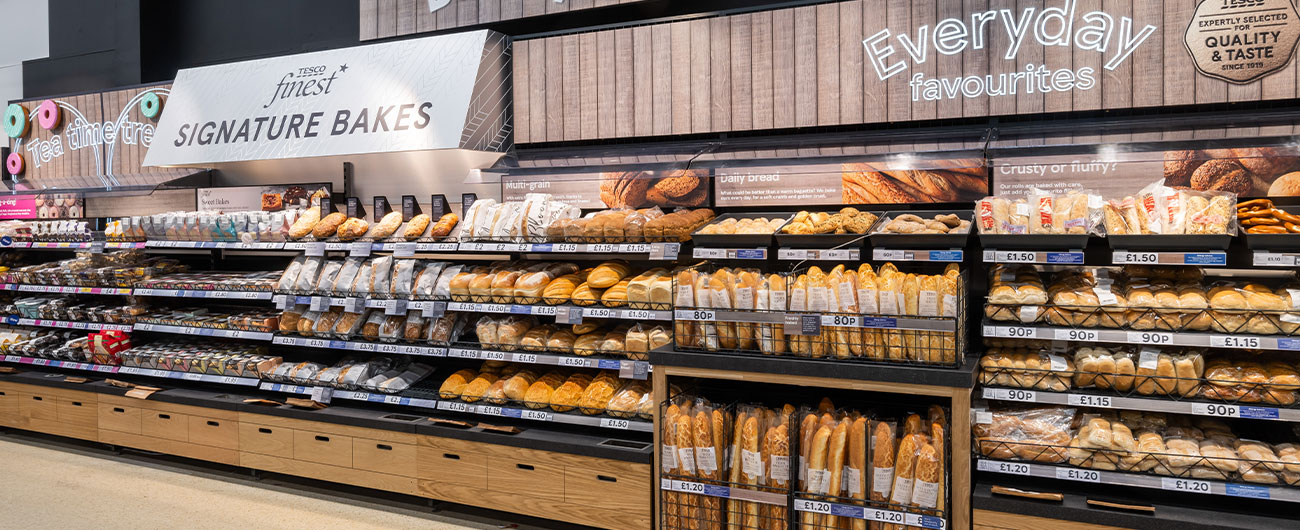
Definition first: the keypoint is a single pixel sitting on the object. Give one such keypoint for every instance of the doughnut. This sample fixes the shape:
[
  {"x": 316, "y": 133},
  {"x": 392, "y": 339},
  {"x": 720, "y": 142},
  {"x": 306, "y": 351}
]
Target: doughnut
[
  {"x": 16, "y": 120},
  {"x": 47, "y": 115},
  {"x": 150, "y": 105},
  {"x": 15, "y": 164}
]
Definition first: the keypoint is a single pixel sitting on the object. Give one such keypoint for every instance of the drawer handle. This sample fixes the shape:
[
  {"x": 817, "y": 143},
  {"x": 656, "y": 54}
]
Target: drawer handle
[
  {"x": 384, "y": 447},
  {"x": 451, "y": 456},
  {"x": 322, "y": 438},
  {"x": 3, "y": 394},
  {"x": 606, "y": 478},
  {"x": 213, "y": 423},
  {"x": 76, "y": 403},
  {"x": 524, "y": 467},
  {"x": 164, "y": 416},
  {"x": 119, "y": 410},
  {"x": 264, "y": 430},
  {"x": 38, "y": 398}
]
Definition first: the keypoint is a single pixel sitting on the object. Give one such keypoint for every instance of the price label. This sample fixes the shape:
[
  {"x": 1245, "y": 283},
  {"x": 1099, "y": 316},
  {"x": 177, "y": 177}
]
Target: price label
[
  {"x": 315, "y": 249},
  {"x": 96, "y": 247},
  {"x": 1185, "y": 484},
  {"x": 569, "y": 315},
  {"x": 1016, "y": 257},
  {"x": 389, "y": 348},
  {"x": 1081, "y": 475},
  {"x": 320, "y": 303},
  {"x": 403, "y": 250},
  {"x": 888, "y": 516},
  {"x": 1230, "y": 341},
  {"x": 598, "y": 312},
  {"x": 454, "y": 406},
  {"x": 489, "y": 410},
  {"x": 805, "y": 505},
  {"x": 1268, "y": 259},
  {"x": 359, "y": 249},
  {"x": 393, "y": 400},
  {"x": 192, "y": 377},
  {"x": 281, "y": 301},
  {"x": 494, "y": 355},
  {"x": 321, "y": 394},
  {"x": 354, "y": 305},
  {"x": 709, "y": 253},
  {"x": 613, "y": 423},
  {"x": 601, "y": 248},
  {"x": 358, "y": 396},
  {"x": 1084, "y": 400},
  {"x": 525, "y": 358},
  {"x": 394, "y": 307},
  {"x": 573, "y": 361},
  {"x": 1156, "y": 338},
  {"x": 846, "y": 321},
  {"x": 701, "y": 315},
  {"x": 496, "y": 308},
  {"x": 317, "y": 343},
  {"x": 1076, "y": 335},
  {"x": 1010, "y": 394},
  {"x": 229, "y": 380},
  {"x": 1012, "y": 468},
  {"x": 40, "y": 362},
  {"x": 636, "y": 314},
  {"x": 535, "y": 415},
  {"x": 1124, "y": 256},
  {"x": 564, "y": 247},
  {"x": 1216, "y": 409},
  {"x": 689, "y": 487},
  {"x": 251, "y": 295},
  {"x": 1017, "y": 332},
  {"x": 414, "y": 350}
]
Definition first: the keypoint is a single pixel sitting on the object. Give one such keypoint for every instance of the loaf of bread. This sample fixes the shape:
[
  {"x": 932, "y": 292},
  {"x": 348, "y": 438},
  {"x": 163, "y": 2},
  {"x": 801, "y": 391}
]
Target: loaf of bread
[
  {"x": 305, "y": 223},
  {"x": 454, "y": 385},
  {"x": 387, "y": 225},
  {"x": 567, "y": 396},
  {"x": 416, "y": 226},
  {"x": 444, "y": 225},
  {"x": 585, "y": 295},
  {"x": 478, "y": 387},
  {"x": 608, "y": 274},
  {"x": 328, "y": 225},
  {"x": 353, "y": 228},
  {"x": 624, "y": 403},
  {"x": 595, "y": 398},
  {"x": 539, "y": 393}
]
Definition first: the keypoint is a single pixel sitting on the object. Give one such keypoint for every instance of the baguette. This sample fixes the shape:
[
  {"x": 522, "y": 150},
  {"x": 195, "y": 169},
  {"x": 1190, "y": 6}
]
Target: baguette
[
  {"x": 668, "y": 465},
  {"x": 882, "y": 464},
  {"x": 735, "y": 506},
  {"x": 776, "y": 445},
  {"x": 904, "y": 471},
  {"x": 818, "y": 476},
  {"x": 927, "y": 477},
  {"x": 940, "y": 447},
  {"x": 835, "y": 465},
  {"x": 706, "y": 462},
  {"x": 689, "y": 504},
  {"x": 856, "y": 481},
  {"x": 750, "y": 458}
]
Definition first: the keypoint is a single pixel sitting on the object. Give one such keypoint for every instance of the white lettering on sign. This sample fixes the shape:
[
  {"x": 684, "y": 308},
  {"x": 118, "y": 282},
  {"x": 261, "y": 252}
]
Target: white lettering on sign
[{"x": 1095, "y": 31}]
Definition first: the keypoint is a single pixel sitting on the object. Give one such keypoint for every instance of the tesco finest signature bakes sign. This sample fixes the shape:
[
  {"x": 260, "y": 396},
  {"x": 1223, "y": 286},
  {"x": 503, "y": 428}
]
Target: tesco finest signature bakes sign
[{"x": 442, "y": 92}]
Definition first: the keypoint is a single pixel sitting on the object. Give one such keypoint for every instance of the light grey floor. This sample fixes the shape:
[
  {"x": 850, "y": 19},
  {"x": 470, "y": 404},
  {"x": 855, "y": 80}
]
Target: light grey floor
[{"x": 56, "y": 485}]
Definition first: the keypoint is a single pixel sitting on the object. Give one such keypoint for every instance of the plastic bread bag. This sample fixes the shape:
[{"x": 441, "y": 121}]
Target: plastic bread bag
[
  {"x": 1077, "y": 212},
  {"x": 1042, "y": 213},
  {"x": 413, "y": 374},
  {"x": 308, "y": 274},
  {"x": 290, "y": 275},
  {"x": 381, "y": 275},
  {"x": 442, "y": 289},
  {"x": 427, "y": 280},
  {"x": 1211, "y": 212},
  {"x": 305, "y": 373},
  {"x": 1173, "y": 208},
  {"x": 448, "y": 328},
  {"x": 1017, "y": 217},
  {"x": 348, "y": 324},
  {"x": 403, "y": 278},
  {"x": 325, "y": 324},
  {"x": 329, "y": 272},
  {"x": 347, "y": 275},
  {"x": 1148, "y": 205},
  {"x": 685, "y": 331},
  {"x": 393, "y": 328},
  {"x": 707, "y": 336},
  {"x": 414, "y": 328},
  {"x": 361, "y": 285},
  {"x": 370, "y": 329}
]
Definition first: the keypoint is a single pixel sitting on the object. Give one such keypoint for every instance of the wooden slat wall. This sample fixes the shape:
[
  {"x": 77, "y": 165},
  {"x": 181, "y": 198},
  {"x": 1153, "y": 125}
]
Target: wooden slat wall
[
  {"x": 805, "y": 66},
  {"x": 388, "y": 18}
]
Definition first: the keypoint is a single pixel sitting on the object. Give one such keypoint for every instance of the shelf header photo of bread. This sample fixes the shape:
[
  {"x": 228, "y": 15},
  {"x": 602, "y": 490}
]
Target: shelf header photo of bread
[
  {"x": 872, "y": 183},
  {"x": 1247, "y": 172},
  {"x": 641, "y": 189}
]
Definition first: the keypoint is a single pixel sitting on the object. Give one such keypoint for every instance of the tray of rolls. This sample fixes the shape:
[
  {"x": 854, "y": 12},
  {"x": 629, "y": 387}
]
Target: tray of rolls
[
  {"x": 1269, "y": 227},
  {"x": 586, "y": 392},
  {"x": 846, "y": 227},
  {"x": 1040, "y": 220},
  {"x": 1155, "y": 443},
  {"x": 1142, "y": 297},
  {"x": 922, "y": 229},
  {"x": 741, "y": 230}
]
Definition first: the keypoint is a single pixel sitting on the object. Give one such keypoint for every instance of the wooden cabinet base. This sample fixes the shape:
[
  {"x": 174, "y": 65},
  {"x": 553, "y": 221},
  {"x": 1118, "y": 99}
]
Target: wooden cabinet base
[
  {"x": 343, "y": 475},
  {"x": 991, "y": 520},
  {"x": 171, "y": 447},
  {"x": 586, "y": 514}
]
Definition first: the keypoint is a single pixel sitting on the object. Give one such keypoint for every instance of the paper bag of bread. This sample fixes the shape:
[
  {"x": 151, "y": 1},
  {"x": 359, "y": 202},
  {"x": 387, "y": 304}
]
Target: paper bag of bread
[
  {"x": 841, "y": 297},
  {"x": 798, "y": 302},
  {"x": 685, "y": 332},
  {"x": 708, "y": 436},
  {"x": 746, "y": 283},
  {"x": 818, "y": 303},
  {"x": 707, "y": 337},
  {"x": 771, "y": 296},
  {"x": 868, "y": 300},
  {"x": 721, "y": 287},
  {"x": 776, "y": 455}
]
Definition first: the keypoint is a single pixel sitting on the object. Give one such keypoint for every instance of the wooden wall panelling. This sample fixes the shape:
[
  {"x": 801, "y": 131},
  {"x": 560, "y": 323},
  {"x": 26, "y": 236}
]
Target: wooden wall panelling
[
  {"x": 850, "y": 61},
  {"x": 554, "y": 90},
  {"x": 556, "y": 7},
  {"x": 923, "y": 14},
  {"x": 783, "y": 69},
  {"x": 875, "y": 92},
  {"x": 512, "y": 9},
  {"x": 624, "y": 84},
  {"x": 368, "y": 20},
  {"x": 805, "y": 66},
  {"x": 700, "y": 76},
  {"x": 681, "y": 72},
  {"x": 589, "y": 98},
  {"x": 828, "y": 64},
  {"x": 720, "y": 73},
  {"x": 489, "y": 11},
  {"x": 607, "y": 90},
  {"x": 1150, "y": 57},
  {"x": 447, "y": 16},
  {"x": 642, "y": 84},
  {"x": 538, "y": 84},
  {"x": 523, "y": 96},
  {"x": 1059, "y": 58},
  {"x": 661, "y": 79},
  {"x": 975, "y": 63},
  {"x": 949, "y": 66},
  {"x": 1117, "y": 84},
  {"x": 387, "y": 19},
  {"x": 406, "y": 18},
  {"x": 742, "y": 73},
  {"x": 761, "y": 68},
  {"x": 898, "y": 14},
  {"x": 466, "y": 13},
  {"x": 572, "y": 88}
]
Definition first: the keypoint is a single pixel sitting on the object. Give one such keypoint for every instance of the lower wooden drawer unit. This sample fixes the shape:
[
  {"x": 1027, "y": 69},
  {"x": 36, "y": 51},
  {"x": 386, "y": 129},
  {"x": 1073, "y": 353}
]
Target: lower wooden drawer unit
[{"x": 55, "y": 411}]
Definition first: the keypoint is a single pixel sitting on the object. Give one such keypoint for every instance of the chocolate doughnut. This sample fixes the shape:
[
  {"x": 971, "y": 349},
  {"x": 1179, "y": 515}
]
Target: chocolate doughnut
[
  {"x": 47, "y": 115},
  {"x": 16, "y": 120}
]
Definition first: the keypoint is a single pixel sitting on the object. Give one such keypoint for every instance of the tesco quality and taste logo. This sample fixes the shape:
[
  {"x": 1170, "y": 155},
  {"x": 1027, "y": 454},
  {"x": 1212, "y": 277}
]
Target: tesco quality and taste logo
[{"x": 1059, "y": 25}]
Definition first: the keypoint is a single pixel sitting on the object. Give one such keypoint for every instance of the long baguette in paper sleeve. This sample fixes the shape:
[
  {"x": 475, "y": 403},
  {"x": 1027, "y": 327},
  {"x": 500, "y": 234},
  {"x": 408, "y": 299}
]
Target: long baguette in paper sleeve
[
  {"x": 776, "y": 448},
  {"x": 686, "y": 332},
  {"x": 771, "y": 296},
  {"x": 817, "y": 303},
  {"x": 855, "y": 471},
  {"x": 689, "y": 508},
  {"x": 835, "y": 464},
  {"x": 669, "y": 465},
  {"x": 706, "y": 465},
  {"x": 746, "y": 284},
  {"x": 751, "y": 462},
  {"x": 838, "y": 337},
  {"x": 735, "y": 507},
  {"x": 708, "y": 331},
  {"x": 798, "y": 302},
  {"x": 818, "y": 474},
  {"x": 888, "y": 287}
]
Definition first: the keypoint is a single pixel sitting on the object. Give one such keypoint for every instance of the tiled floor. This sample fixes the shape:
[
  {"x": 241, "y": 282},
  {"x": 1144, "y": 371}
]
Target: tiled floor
[{"x": 57, "y": 485}]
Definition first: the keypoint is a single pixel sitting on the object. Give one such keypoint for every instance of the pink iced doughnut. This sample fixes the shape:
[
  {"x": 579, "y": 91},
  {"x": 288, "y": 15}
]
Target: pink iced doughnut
[
  {"x": 15, "y": 164},
  {"x": 47, "y": 115}
]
